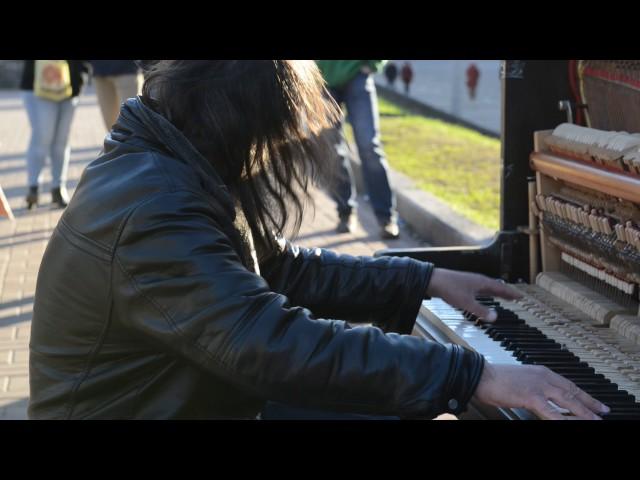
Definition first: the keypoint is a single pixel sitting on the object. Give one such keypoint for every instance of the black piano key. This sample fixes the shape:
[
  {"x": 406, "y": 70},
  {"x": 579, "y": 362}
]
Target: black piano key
[
  {"x": 529, "y": 339},
  {"x": 530, "y": 344},
  {"x": 525, "y": 339},
  {"x": 509, "y": 345},
  {"x": 569, "y": 366},
  {"x": 492, "y": 329},
  {"x": 598, "y": 379},
  {"x": 541, "y": 359},
  {"x": 614, "y": 401},
  {"x": 628, "y": 408},
  {"x": 564, "y": 370},
  {"x": 582, "y": 376},
  {"x": 621, "y": 416},
  {"x": 522, "y": 351},
  {"x": 617, "y": 405},
  {"x": 630, "y": 397},
  {"x": 513, "y": 330},
  {"x": 553, "y": 364},
  {"x": 617, "y": 396},
  {"x": 558, "y": 352},
  {"x": 541, "y": 349},
  {"x": 595, "y": 382},
  {"x": 508, "y": 328},
  {"x": 518, "y": 336},
  {"x": 534, "y": 358},
  {"x": 593, "y": 389}
]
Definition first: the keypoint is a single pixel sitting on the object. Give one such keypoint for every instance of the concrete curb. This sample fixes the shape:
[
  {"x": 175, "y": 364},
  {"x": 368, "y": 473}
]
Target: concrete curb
[{"x": 431, "y": 218}]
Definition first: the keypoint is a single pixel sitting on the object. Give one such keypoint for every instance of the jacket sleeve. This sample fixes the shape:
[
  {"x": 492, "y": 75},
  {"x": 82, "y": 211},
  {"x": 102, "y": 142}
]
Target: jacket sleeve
[
  {"x": 386, "y": 291},
  {"x": 178, "y": 284}
]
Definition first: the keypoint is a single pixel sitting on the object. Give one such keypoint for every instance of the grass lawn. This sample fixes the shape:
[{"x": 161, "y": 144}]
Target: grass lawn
[{"x": 456, "y": 164}]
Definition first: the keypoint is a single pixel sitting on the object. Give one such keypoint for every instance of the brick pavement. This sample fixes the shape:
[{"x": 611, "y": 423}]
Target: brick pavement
[{"x": 23, "y": 241}]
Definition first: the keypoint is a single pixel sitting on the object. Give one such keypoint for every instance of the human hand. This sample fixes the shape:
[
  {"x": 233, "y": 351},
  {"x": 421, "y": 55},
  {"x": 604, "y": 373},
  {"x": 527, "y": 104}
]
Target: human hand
[
  {"x": 459, "y": 289},
  {"x": 531, "y": 387}
]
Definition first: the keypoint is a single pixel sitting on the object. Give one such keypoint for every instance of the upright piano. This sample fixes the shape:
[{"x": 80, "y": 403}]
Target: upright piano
[{"x": 569, "y": 239}]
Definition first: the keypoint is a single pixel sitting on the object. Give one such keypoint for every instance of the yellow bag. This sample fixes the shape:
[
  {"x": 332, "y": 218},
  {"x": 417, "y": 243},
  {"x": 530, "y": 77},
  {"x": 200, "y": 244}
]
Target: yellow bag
[{"x": 52, "y": 80}]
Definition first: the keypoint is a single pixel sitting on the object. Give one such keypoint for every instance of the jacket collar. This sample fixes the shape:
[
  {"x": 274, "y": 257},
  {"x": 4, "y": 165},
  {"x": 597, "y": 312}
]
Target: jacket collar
[{"x": 139, "y": 120}]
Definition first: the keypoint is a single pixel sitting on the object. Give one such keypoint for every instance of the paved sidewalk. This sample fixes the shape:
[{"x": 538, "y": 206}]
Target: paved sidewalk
[{"x": 22, "y": 242}]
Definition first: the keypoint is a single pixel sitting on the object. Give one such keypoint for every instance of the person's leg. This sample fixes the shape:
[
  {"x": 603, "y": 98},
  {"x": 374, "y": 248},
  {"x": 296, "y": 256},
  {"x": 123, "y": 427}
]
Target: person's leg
[
  {"x": 127, "y": 86},
  {"x": 107, "y": 99},
  {"x": 343, "y": 189},
  {"x": 42, "y": 117},
  {"x": 345, "y": 192},
  {"x": 362, "y": 108},
  {"x": 60, "y": 150}
]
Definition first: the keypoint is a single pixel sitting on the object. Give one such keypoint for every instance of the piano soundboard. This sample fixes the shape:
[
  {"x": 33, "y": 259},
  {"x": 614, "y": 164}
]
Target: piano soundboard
[{"x": 580, "y": 317}]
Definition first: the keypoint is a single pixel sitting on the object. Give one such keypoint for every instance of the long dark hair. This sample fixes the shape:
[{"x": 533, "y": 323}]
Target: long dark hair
[{"x": 261, "y": 123}]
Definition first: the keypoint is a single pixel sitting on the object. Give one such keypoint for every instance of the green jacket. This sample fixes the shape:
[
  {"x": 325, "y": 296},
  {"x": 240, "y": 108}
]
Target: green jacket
[{"x": 338, "y": 72}]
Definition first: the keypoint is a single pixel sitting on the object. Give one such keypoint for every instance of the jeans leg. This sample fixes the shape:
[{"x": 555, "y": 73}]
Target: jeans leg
[
  {"x": 60, "y": 149},
  {"x": 344, "y": 192},
  {"x": 343, "y": 188},
  {"x": 362, "y": 106},
  {"x": 42, "y": 116}
]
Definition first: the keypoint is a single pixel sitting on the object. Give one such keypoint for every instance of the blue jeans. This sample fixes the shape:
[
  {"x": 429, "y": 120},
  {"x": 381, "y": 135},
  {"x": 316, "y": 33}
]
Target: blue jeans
[
  {"x": 50, "y": 127},
  {"x": 361, "y": 100}
]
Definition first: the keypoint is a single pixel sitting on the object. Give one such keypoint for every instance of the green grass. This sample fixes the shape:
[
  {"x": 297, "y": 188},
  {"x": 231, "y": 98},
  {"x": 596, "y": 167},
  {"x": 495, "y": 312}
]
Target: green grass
[{"x": 456, "y": 164}]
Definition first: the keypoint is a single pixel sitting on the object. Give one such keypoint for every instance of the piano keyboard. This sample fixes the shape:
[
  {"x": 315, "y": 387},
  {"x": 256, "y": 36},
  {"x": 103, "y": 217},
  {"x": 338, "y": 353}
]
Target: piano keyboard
[{"x": 540, "y": 329}]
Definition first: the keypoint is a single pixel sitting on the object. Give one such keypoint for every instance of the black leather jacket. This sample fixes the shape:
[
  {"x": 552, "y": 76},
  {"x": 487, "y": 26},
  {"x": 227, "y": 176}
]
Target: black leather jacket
[{"x": 145, "y": 309}]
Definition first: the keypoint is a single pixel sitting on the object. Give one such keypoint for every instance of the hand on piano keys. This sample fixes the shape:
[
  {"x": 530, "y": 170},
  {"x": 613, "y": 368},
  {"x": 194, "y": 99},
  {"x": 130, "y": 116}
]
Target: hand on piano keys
[
  {"x": 460, "y": 289},
  {"x": 537, "y": 389},
  {"x": 533, "y": 387}
]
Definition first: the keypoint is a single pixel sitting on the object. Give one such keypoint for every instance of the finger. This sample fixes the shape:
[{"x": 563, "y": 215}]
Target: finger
[
  {"x": 500, "y": 289},
  {"x": 485, "y": 313},
  {"x": 590, "y": 402},
  {"x": 544, "y": 410},
  {"x": 593, "y": 404},
  {"x": 569, "y": 399}
]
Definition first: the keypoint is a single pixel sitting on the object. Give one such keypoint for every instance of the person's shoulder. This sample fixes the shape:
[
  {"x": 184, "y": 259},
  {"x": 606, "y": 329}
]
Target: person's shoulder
[{"x": 178, "y": 174}]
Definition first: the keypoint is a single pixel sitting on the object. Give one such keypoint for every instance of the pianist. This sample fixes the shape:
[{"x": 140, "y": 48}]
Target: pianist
[{"x": 167, "y": 291}]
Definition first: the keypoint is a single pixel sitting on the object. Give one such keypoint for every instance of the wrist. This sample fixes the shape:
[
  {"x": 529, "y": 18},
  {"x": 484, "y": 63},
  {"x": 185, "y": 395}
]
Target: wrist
[
  {"x": 434, "y": 283},
  {"x": 483, "y": 389}
]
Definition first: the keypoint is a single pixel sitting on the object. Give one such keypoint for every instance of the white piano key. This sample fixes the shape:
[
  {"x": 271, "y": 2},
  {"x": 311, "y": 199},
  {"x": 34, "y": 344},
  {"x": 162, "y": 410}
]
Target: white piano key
[{"x": 468, "y": 334}]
